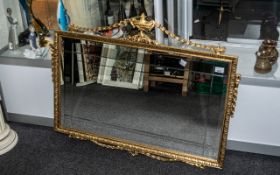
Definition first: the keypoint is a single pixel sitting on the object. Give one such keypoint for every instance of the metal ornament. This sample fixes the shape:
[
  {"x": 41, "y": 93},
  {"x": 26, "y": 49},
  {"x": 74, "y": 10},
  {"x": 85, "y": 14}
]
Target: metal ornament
[
  {"x": 221, "y": 11},
  {"x": 270, "y": 47},
  {"x": 263, "y": 64},
  {"x": 266, "y": 56}
]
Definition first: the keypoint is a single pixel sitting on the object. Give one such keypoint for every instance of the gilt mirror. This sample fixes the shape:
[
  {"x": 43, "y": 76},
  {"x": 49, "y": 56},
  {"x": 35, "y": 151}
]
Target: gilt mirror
[{"x": 134, "y": 94}]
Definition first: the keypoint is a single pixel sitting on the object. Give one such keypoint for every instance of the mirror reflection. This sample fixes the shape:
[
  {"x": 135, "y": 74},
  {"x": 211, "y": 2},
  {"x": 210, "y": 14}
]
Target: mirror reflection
[{"x": 150, "y": 98}]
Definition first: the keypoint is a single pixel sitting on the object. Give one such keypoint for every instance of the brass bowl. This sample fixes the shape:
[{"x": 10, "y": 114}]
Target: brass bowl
[{"x": 263, "y": 64}]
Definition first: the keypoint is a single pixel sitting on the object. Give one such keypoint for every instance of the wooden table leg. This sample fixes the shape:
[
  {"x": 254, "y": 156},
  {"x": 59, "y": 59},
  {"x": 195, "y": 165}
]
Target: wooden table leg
[{"x": 185, "y": 80}]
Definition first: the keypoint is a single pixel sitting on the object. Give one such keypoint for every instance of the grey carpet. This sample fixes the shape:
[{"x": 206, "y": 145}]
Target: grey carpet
[{"x": 41, "y": 151}]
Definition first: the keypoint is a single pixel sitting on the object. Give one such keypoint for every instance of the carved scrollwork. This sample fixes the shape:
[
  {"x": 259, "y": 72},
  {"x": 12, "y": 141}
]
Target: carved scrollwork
[
  {"x": 54, "y": 52},
  {"x": 235, "y": 93},
  {"x": 142, "y": 38},
  {"x": 132, "y": 151},
  {"x": 145, "y": 25}
]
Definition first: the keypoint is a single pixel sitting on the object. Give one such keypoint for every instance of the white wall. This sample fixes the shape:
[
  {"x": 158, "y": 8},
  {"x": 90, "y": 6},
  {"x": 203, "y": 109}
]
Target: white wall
[
  {"x": 27, "y": 90},
  {"x": 257, "y": 116}
]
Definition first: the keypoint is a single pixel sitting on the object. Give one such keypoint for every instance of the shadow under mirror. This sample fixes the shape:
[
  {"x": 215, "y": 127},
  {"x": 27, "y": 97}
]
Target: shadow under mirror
[{"x": 164, "y": 101}]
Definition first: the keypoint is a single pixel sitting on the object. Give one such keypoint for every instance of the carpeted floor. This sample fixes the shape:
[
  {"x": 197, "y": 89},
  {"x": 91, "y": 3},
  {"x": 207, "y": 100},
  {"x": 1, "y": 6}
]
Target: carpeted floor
[{"x": 41, "y": 151}]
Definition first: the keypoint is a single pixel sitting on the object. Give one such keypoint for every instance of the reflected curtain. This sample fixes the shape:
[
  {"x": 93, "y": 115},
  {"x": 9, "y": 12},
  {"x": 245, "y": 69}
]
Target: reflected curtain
[{"x": 85, "y": 13}]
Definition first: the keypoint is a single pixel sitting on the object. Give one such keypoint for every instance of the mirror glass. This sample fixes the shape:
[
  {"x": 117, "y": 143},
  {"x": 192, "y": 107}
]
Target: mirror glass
[{"x": 145, "y": 97}]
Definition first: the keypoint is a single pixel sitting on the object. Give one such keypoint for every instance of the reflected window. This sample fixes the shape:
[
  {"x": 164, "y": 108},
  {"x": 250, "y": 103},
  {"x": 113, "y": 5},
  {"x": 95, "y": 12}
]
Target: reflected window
[{"x": 226, "y": 19}]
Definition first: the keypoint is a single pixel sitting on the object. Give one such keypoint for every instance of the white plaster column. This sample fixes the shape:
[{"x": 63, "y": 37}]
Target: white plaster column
[
  {"x": 185, "y": 15},
  {"x": 8, "y": 137},
  {"x": 159, "y": 18},
  {"x": 170, "y": 20}
]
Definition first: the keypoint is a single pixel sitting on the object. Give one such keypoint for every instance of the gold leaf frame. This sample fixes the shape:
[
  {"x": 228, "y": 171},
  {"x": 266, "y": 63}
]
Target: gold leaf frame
[{"x": 138, "y": 148}]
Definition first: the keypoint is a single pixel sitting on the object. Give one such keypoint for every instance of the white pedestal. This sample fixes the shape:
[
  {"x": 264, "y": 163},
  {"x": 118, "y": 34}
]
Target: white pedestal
[{"x": 8, "y": 137}]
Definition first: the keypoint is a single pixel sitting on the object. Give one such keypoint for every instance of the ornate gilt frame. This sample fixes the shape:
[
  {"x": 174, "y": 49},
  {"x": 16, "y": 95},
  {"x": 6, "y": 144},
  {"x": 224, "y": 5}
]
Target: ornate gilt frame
[{"x": 137, "y": 148}]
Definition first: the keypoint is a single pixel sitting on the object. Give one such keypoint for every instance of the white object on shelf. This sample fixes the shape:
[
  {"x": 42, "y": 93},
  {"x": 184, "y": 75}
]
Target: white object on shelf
[{"x": 8, "y": 137}]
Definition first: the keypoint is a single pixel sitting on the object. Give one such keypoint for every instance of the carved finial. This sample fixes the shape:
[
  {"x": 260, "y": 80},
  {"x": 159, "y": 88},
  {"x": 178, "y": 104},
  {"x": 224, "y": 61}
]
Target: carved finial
[
  {"x": 142, "y": 24},
  {"x": 143, "y": 17}
]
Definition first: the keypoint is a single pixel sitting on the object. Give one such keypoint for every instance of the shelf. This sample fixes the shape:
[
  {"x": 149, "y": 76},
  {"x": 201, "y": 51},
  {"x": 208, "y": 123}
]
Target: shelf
[
  {"x": 167, "y": 79},
  {"x": 17, "y": 58},
  {"x": 246, "y": 62},
  {"x": 166, "y": 76}
]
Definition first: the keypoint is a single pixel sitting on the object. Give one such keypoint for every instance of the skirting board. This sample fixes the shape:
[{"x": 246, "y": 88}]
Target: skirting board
[
  {"x": 29, "y": 119},
  {"x": 231, "y": 144},
  {"x": 259, "y": 82},
  {"x": 253, "y": 148}
]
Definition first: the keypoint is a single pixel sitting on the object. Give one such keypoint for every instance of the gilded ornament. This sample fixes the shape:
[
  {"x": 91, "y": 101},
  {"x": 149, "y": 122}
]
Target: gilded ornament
[{"x": 144, "y": 25}]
